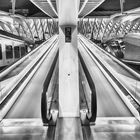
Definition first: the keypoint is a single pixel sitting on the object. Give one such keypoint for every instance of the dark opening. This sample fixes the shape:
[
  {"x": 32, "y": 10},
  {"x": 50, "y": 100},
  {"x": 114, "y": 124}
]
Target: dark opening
[
  {"x": 68, "y": 34},
  {"x": 23, "y": 51},
  {"x": 16, "y": 52},
  {"x": 9, "y": 51}
]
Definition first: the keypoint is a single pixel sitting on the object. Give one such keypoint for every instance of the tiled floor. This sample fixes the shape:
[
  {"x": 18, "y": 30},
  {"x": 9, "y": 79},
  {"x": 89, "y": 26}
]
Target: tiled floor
[
  {"x": 113, "y": 129},
  {"x": 104, "y": 129}
]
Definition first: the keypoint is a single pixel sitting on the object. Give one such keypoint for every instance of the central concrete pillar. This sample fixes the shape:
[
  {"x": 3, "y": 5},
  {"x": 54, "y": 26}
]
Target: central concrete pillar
[{"x": 68, "y": 59}]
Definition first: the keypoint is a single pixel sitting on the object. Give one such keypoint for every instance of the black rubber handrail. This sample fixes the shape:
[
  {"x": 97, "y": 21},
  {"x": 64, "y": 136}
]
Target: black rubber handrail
[
  {"x": 44, "y": 112},
  {"x": 92, "y": 88}
]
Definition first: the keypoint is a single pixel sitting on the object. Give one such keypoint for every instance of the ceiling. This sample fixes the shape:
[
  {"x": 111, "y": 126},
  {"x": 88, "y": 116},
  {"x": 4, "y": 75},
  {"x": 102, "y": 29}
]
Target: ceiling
[
  {"x": 106, "y": 8},
  {"x": 110, "y": 7}
]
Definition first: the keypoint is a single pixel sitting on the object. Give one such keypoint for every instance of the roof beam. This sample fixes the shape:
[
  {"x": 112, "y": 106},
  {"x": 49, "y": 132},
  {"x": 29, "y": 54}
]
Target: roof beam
[
  {"x": 46, "y": 7},
  {"x": 88, "y": 6},
  {"x": 52, "y": 3},
  {"x": 83, "y": 5}
]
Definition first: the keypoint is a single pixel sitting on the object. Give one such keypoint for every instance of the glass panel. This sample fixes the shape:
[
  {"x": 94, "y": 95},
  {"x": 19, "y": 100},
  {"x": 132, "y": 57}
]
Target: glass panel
[
  {"x": 23, "y": 51},
  {"x": 7, "y": 28},
  {"x": 16, "y": 52},
  {"x": 14, "y": 30},
  {"x": 9, "y": 51}
]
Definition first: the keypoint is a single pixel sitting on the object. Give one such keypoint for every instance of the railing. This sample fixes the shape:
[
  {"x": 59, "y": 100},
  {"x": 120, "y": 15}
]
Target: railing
[
  {"x": 16, "y": 87},
  {"x": 9, "y": 68},
  {"x": 93, "y": 90},
  {"x": 46, "y": 116},
  {"x": 13, "y": 86}
]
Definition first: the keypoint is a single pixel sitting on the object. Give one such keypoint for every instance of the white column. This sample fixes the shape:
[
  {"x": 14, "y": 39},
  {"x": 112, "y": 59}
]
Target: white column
[{"x": 68, "y": 60}]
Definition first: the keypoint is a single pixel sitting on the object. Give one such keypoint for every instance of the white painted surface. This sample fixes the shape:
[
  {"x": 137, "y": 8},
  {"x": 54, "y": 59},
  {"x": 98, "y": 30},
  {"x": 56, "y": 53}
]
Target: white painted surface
[
  {"x": 68, "y": 60},
  {"x": 69, "y": 82}
]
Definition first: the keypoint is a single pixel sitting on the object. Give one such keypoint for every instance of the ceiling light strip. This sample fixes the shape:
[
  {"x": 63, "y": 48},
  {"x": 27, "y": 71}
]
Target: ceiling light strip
[
  {"x": 52, "y": 7},
  {"x": 94, "y": 5},
  {"x": 40, "y": 8}
]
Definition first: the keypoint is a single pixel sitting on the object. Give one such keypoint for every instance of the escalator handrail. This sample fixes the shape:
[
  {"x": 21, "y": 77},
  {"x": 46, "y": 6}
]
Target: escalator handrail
[
  {"x": 92, "y": 88},
  {"x": 44, "y": 112}
]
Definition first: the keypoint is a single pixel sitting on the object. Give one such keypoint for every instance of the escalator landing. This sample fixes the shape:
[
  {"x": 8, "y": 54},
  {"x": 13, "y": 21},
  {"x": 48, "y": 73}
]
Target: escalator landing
[
  {"x": 113, "y": 128},
  {"x": 123, "y": 128},
  {"x": 21, "y": 129}
]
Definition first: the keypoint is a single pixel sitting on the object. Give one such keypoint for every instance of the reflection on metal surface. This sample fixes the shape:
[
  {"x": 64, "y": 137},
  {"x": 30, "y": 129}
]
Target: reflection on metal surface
[
  {"x": 68, "y": 129},
  {"x": 21, "y": 129}
]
